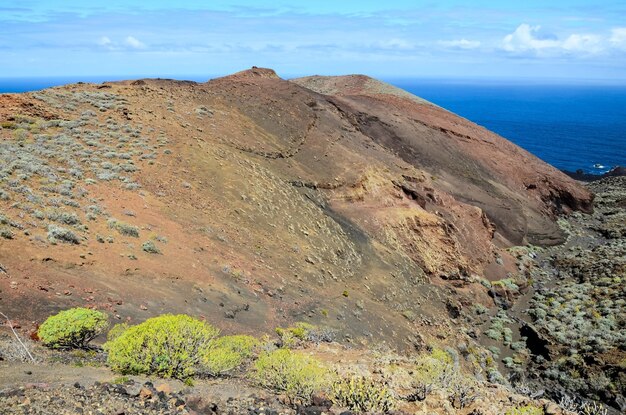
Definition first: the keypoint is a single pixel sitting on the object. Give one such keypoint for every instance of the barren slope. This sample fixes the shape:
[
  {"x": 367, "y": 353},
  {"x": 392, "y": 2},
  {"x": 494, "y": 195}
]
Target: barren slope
[
  {"x": 520, "y": 193},
  {"x": 335, "y": 200}
]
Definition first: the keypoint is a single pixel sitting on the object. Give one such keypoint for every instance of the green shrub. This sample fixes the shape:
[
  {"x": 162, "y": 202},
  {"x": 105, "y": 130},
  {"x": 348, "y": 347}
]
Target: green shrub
[
  {"x": 6, "y": 233},
  {"x": 525, "y": 410},
  {"x": 227, "y": 353},
  {"x": 301, "y": 330},
  {"x": 291, "y": 336},
  {"x": 432, "y": 371},
  {"x": 123, "y": 228},
  {"x": 57, "y": 233},
  {"x": 287, "y": 339},
  {"x": 73, "y": 328},
  {"x": 167, "y": 346},
  {"x": 361, "y": 394},
  {"x": 116, "y": 331},
  {"x": 462, "y": 391},
  {"x": 20, "y": 134},
  {"x": 293, "y": 373},
  {"x": 67, "y": 218},
  {"x": 150, "y": 247},
  {"x": 122, "y": 380}
]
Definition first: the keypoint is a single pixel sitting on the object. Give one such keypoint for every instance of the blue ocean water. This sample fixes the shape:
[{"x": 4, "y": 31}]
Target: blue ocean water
[
  {"x": 30, "y": 84},
  {"x": 570, "y": 126}
]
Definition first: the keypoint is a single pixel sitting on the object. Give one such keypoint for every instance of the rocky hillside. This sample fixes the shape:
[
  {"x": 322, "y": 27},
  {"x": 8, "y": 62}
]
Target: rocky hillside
[{"x": 256, "y": 202}]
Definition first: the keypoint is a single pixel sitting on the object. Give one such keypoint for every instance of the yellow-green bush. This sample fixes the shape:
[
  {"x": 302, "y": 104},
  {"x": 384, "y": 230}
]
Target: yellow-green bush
[
  {"x": 432, "y": 371},
  {"x": 291, "y": 336},
  {"x": 116, "y": 331},
  {"x": 228, "y": 353},
  {"x": 295, "y": 374},
  {"x": 441, "y": 355},
  {"x": 525, "y": 410},
  {"x": 362, "y": 395},
  {"x": 167, "y": 346},
  {"x": 73, "y": 328}
]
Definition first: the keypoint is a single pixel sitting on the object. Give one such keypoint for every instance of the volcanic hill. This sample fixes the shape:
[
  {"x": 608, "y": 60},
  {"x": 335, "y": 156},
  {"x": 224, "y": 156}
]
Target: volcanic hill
[{"x": 256, "y": 201}]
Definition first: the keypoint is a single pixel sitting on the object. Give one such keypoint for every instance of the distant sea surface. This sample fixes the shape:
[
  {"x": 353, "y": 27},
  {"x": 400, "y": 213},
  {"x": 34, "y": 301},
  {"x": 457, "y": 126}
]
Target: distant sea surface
[{"x": 570, "y": 126}]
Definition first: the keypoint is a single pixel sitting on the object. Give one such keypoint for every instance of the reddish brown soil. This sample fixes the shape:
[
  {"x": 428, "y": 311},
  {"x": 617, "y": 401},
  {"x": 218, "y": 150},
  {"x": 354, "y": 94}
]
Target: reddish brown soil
[{"x": 331, "y": 200}]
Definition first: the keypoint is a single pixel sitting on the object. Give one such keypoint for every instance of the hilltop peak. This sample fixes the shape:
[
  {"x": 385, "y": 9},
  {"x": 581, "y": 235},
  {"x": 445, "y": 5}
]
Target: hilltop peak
[{"x": 254, "y": 72}]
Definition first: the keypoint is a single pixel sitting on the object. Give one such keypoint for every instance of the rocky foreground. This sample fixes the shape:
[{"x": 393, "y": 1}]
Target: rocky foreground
[{"x": 53, "y": 388}]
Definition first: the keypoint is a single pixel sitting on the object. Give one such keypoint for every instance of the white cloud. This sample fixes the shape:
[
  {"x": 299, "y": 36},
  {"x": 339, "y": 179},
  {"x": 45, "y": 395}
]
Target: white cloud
[
  {"x": 400, "y": 44},
  {"x": 105, "y": 41},
  {"x": 460, "y": 44},
  {"x": 583, "y": 43},
  {"x": 527, "y": 40},
  {"x": 129, "y": 42},
  {"x": 618, "y": 37},
  {"x": 134, "y": 43}
]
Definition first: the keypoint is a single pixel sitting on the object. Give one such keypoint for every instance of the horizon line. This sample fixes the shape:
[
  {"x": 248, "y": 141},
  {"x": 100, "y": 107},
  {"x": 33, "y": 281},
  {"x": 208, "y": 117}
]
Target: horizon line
[{"x": 92, "y": 78}]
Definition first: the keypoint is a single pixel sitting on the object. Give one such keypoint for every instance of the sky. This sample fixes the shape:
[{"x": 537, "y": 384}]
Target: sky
[{"x": 530, "y": 39}]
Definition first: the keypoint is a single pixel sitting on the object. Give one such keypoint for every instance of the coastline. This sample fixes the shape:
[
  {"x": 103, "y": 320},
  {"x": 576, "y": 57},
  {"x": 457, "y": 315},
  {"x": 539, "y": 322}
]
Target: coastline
[{"x": 580, "y": 175}]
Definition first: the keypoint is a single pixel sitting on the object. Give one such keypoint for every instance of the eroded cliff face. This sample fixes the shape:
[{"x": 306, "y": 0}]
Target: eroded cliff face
[
  {"x": 339, "y": 199},
  {"x": 517, "y": 191}
]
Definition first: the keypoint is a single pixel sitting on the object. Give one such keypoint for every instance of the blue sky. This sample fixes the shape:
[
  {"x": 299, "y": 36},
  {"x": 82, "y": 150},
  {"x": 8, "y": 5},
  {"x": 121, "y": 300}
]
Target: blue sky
[{"x": 576, "y": 39}]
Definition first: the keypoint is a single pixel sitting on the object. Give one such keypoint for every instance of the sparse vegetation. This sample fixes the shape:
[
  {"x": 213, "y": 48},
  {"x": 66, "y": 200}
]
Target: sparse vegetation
[
  {"x": 41, "y": 160},
  {"x": 525, "y": 410},
  {"x": 12, "y": 350},
  {"x": 584, "y": 315},
  {"x": 150, "y": 247},
  {"x": 66, "y": 218},
  {"x": 60, "y": 234},
  {"x": 293, "y": 373},
  {"x": 6, "y": 233},
  {"x": 362, "y": 395},
  {"x": 462, "y": 391},
  {"x": 581, "y": 407},
  {"x": 432, "y": 371},
  {"x": 228, "y": 353},
  {"x": 123, "y": 228},
  {"x": 301, "y": 332},
  {"x": 498, "y": 330}
]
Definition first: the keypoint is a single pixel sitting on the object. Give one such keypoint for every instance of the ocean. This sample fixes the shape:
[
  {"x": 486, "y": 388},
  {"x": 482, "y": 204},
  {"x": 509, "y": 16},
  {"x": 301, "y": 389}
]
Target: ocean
[{"x": 571, "y": 127}]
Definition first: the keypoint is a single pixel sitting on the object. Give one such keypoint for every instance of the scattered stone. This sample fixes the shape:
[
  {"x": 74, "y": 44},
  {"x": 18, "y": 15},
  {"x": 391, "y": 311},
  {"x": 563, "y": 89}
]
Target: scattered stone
[
  {"x": 164, "y": 387},
  {"x": 145, "y": 393},
  {"x": 551, "y": 409},
  {"x": 99, "y": 398}
]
